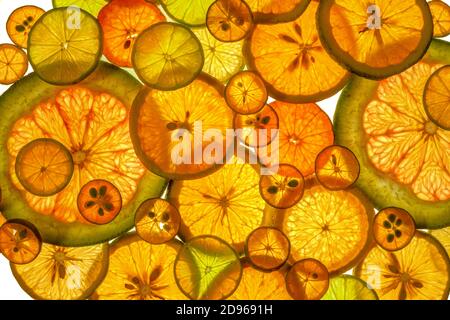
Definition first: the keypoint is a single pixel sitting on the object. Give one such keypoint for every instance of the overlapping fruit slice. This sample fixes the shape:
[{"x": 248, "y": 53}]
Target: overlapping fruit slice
[
  {"x": 443, "y": 235},
  {"x": 13, "y": 63},
  {"x": 20, "y": 23},
  {"x": 91, "y": 6},
  {"x": 347, "y": 287},
  {"x": 270, "y": 11},
  {"x": 436, "y": 97},
  {"x": 190, "y": 12},
  {"x": 307, "y": 279},
  {"x": 246, "y": 93},
  {"x": 440, "y": 11}
]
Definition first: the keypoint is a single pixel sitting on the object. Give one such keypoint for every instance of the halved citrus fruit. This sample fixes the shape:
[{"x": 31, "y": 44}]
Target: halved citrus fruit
[
  {"x": 13, "y": 63},
  {"x": 140, "y": 271},
  {"x": 91, "y": 6},
  {"x": 337, "y": 168},
  {"x": 436, "y": 97},
  {"x": 122, "y": 21},
  {"x": 44, "y": 167},
  {"x": 375, "y": 40},
  {"x": 292, "y": 61},
  {"x": 307, "y": 279},
  {"x": 63, "y": 273},
  {"x": 443, "y": 236},
  {"x": 348, "y": 287},
  {"x": 271, "y": 11},
  {"x": 91, "y": 120},
  {"x": 167, "y": 128},
  {"x": 207, "y": 268},
  {"x": 157, "y": 221},
  {"x": 192, "y": 12},
  {"x": 20, "y": 241},
  {"x": 20, "y": 23},
  {"x": 403, "y": 155},
  {"x": 420, "y": 271},
  {"x": 246, "y": 93},
  {"x": 440, "y": 11}
]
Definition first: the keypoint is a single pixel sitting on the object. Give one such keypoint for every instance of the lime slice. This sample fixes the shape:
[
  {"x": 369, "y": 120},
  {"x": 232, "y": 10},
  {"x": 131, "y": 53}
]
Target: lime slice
[
  {"x": 346, "y": 287},
  {"x": 190, "y": 12},
  {"x": 91, "y": 6}
]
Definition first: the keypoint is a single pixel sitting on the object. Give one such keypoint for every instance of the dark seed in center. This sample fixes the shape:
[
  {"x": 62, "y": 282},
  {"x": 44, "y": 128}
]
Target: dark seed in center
[
  {"x": 272, "y": 189},
  {"x": 293, "y": 183},
  {"x": 20, "y": 28}
]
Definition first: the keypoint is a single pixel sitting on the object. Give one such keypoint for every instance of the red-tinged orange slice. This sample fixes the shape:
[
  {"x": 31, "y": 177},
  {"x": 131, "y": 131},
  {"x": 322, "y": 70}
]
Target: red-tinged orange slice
[
  {"x": 246, "y": 93},
  {"x": 307, "y": 279},
  {"x": 13, "y": 63},
  {"x": 20, "y": 23}
]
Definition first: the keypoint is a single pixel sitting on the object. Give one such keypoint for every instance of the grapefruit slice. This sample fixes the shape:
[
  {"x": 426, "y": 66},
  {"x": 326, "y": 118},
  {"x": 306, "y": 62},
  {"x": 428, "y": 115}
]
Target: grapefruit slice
[
  {"x": 436, "y": 97},
  {"x": 20, "y": 23},
  {"x": 272, "y": 11},
  {"x": 440, "y": 12},
  {"x": 348, "y": 287},
  {"x": 13, "y": 63}
]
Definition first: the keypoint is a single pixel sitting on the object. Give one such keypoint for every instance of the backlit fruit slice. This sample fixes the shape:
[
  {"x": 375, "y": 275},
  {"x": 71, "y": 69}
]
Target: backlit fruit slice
[
  {"x": 20, "y": 242},
  {"x": 229, "y": 20},
  {"x": 167, "y": 56},
  {"x": 420, "y": 271},
  {"x": 191, "y": 12},
  {"x": 63, "y": 273},
  {"x": 122, "y": 21},
  {"x": 347, "y": 287},
  {"x": 304, "y": 131},
  {"x": 284, "y": 188},
  {"x": 376, "y": 40},
  {"x": 307, "y": 279},
  {"x": 64, "y": 50},
  {"x": 246, "y": 93},
  {"x": 443, "y": 236},
  {"x": 163, "y": 124},
  {"x": 157, "y": 221},
  {"x": 99, "y": 201},
  {"x": 440, "y": 11},
  {"x": 267, "y": 248},
  {"x": 403, "y": 155},
  {"x": 91, "y": 120},
  {"x": 337, "y": 168},
  {"x": 222, "y": 59},
  {"x": 333, "y": 227},
  {"x": 20, "y": 23},
  {"x": 259, "y": 129},
  {"x": 393, "y": 229},
  {"x": 271, "y": 11},
  {"x": 140, "y": 271},
  {"x": 91, "y": 6},
  {"x": 13, "y": 63},
  {"x": 436, "y": 98},
  {"x": 44, "y": 167},
  {"x": 292, "y": 61},
  {"x": 207, "y": 268},
  {"x": 226, "y": 204}
]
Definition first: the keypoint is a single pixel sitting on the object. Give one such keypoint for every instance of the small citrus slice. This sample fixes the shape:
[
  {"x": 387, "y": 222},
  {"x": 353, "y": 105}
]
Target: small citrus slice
[
  {"x": 222, "y": 59},
  {"x": 20, "y": 242},
  {"x": 348, "y": 287},
  {"x": 436, "y": 98},
  {"x": 246, "y": 93},
  {"x": 167, "y": 56},
  {"x": 20, "y": 23},
  {"x": 157, "y": 221},
  {"x": 393, "y": 228},
  {"x": 229, "y": 20},
  {"x": 140, "y": 271},
  {"x": 91, "y": 6},
  {"x": 440, "y": 11},
  {"x": 292, "y": 62},
  {"x": 207, "y": 268},
  {"x": 44, "y": 167},
  {"x": 63, "y": 273},
  {"x": 420, "y": 271},
  {"x": 376, "y": 40},
  {"x": 13, "y": 63},
  {"x": 271, "y": 11},
  {"x": 284, "y": 188},
  {"x": 337, "y": 168},
  {"x": 267, "y": 248},
  {"x": 443, "y": 236},
  {"x": 191, "y": 12},
  {"x": 307, "y": 279},
  {"x": 122, "y": 21}
]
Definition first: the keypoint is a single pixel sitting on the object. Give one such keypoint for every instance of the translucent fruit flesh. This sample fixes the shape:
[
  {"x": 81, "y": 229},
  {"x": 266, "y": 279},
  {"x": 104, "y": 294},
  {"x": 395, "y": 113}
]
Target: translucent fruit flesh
[
  {"x": 20, "y": 23},
  {"x": 13, "y": 63},
  {"x": 20, "y": 242}
]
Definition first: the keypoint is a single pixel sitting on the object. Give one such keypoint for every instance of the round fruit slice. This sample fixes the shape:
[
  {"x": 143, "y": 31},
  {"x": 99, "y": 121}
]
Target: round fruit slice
[
  {"x": 163, "y": 124},
  {"x": 122, "y": 21},
  {"x": 246, "y": 93},
  {"x": 440, "y": 11},
  {"x": 403, "y": 155},
  {"x": 191, "y": 12},
  {"x": 337, "y": 168},
  {"x": 267, "y": 248},
  {"x": 44, "y": 167},
  {"x": 62, "y": 49},
  {"x": 63, "y": 273},
  {"x": 157, "y": 221},
  {"x": 140, "y": 271},
  {"x": 91, "y": 6},
  {"x": 20, "y": 23},
  {"x": 20, "y": 242},
  {"x": 13, "y": 63},
  {"x": 376, "y": 40},
  {"x": 420, "y": 271},
  {"x": 307, "y": 279},
  {"x": 291, "y": 60},
  {"x": 436, "y": 97},
  {"x": 347, "y": 287},
  {"x": 272, "y": 11},
  {"x": 443, "y": 235},
  {"x": 91, "y": 121},
  {"x": 207, "y": 268},
  {"x": 222, "y": 59},
  {"x": 167, "y": 56}
]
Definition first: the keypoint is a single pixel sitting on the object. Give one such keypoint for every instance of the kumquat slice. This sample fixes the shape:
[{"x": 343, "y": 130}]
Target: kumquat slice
[
  {"x": 20, "y": 23},
  {"x": 246, "y": 93}
]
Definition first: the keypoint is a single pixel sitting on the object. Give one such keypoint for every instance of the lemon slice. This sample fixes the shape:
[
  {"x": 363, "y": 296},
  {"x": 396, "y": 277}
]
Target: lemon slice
[
  {"x": 190, "y": 12},
  {"x": 91, "y": 6}
]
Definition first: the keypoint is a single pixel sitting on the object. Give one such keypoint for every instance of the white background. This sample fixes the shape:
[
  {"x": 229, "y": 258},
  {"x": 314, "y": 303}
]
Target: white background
[{"x": 9, "y": 289}]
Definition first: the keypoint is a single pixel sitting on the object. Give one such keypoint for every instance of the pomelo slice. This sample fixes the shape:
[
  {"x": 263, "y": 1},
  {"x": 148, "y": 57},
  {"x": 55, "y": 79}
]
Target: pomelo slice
[{"x": 20, "y": 23}]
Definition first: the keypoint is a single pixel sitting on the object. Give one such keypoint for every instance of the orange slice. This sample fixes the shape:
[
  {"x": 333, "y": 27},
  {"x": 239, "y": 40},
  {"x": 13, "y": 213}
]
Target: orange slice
[
  {"x": 246, "y": 93},
  {"x": 271, "y": 11},
  {"x": 20, "y": 23},
  {"x": 13, "y": 63},
  {"x": 307, "y": 280},
  {"x": 436, "y": 98},
  {"x": 440, "y": 11}
]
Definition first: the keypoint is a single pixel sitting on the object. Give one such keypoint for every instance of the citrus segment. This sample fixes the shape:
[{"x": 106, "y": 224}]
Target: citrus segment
[
  {"x": 270, "y": 11},
  {"x": 440, "y": 11},
  {"x": 20, "y": 23},
  {"x": 13, "y": 63},
  {"x": 307, "y": 280},
  {"x": 246, "y": 93},
  {"x": 347, "y": 287},
  {"x": 436, "y": 98},
  {"x": 91, "y": 6},
  {"x": 190, "y": 12},
  {"x": 443, "y": 236}
]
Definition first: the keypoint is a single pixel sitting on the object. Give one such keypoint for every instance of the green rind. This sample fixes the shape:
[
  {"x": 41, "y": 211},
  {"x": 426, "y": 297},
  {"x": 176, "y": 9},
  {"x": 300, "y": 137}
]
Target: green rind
[
  {"x": 356, "y": 281},
  {"x": 381, "y": 189},
  {"x": 18, "y": 102}
]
